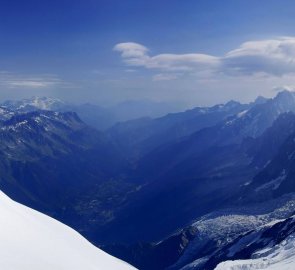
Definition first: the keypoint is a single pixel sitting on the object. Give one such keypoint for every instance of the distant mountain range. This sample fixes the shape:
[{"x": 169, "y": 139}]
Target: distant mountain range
[
  {"x": 94, "y": 115},
  {"x": 187, "y": 190}
]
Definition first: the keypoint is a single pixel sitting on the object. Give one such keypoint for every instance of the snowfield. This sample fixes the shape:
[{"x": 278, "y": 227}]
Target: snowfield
[
  {"x": 279, "y": 257},
  {"x": 30, "y": 240}
]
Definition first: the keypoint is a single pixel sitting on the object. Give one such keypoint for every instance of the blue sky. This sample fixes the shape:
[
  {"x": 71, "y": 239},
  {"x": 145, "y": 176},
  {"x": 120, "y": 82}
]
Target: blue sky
[{"x": 193, "y": 52}]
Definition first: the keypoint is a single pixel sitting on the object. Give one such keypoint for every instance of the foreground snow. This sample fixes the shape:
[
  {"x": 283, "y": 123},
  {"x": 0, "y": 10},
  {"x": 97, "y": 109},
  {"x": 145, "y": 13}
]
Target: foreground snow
[
  {"x": 279, "y": 257},
  {"x": 32, "y": 241}
]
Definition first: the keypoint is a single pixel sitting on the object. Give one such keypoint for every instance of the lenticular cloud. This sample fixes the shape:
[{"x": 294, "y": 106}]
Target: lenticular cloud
[{"x": 275, "y": 57}]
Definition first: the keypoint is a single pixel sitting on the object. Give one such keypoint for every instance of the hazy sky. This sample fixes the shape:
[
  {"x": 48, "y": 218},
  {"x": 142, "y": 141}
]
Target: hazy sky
[{"x": 197, "y": 52}]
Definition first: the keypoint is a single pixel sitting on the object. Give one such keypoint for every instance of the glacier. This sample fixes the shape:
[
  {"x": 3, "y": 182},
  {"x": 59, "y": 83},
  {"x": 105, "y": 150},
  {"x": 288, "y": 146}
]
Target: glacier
[{"x": 278, "y": 257}]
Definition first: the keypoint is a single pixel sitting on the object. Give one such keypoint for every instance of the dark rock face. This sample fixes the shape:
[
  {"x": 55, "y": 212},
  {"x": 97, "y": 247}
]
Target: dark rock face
[{"x": 155, "y": 256}]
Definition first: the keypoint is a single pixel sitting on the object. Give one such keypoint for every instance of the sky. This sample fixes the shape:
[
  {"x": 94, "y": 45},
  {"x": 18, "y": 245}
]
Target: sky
[{"x": 192, "y": 52}]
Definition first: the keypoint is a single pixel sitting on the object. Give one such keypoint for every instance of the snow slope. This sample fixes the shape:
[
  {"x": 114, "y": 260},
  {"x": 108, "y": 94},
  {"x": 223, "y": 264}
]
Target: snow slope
[
  {"x": 279, "y": 257},
  {"x": 30, "y": 240}
]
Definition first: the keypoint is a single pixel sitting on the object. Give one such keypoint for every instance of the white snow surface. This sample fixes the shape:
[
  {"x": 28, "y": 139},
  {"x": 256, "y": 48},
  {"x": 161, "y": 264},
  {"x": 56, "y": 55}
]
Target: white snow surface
[
  {"x": 279, "y": 257},
  {"x": 42, "y": 103},
  {"x": 30, "y": 240}
]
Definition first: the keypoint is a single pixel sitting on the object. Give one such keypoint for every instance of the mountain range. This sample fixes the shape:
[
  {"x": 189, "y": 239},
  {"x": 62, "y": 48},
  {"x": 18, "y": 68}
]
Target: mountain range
[
  {"x": 204, "y": 188},
  {"x": 101, "y": 117}
]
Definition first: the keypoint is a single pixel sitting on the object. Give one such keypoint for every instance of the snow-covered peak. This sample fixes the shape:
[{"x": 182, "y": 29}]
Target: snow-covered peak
[
  {"x": 44, "y": 103},
  {"x": 41, "y": 103},
  {"x": 285, "y": 98},
  {"x": 33, "y": 241},
  {"x": 5, "y": 113},
  {"x": 260, "y": 100}
]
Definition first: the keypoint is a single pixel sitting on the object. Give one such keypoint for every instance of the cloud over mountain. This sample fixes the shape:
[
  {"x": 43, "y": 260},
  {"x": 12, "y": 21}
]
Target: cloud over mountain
[{"x": 273, "y": 57}]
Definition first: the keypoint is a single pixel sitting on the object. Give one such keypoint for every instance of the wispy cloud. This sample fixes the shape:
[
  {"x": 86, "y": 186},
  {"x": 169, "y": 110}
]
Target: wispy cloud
[
  {"x": 283, "y": 87},
  {"x": 272, "y": 57},
  {"x": 165, "y": 77},
  {"x": 13, "y": 80}
]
